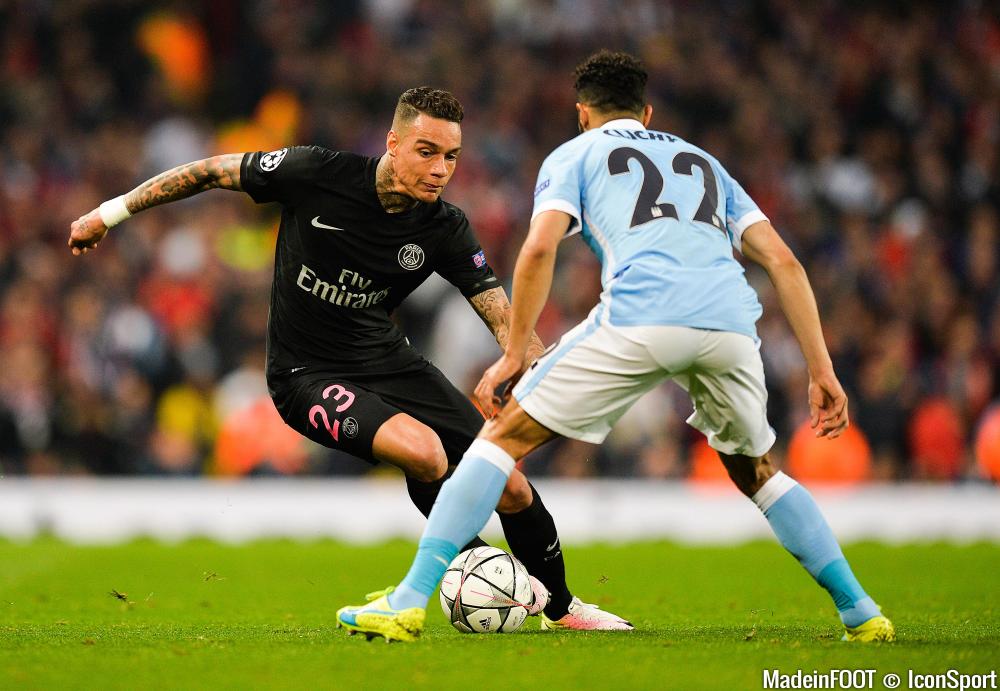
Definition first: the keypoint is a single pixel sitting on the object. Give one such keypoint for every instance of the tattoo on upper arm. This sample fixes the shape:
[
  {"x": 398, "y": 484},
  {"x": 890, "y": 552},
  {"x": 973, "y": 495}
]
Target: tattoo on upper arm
[{"x": 221, "y": 172}]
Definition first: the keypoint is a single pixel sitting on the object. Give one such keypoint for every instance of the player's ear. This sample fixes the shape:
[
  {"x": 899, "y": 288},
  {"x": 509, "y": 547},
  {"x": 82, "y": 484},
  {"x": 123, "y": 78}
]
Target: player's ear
[
  {"x": 391, "y": 142},
  {"x": 583, "y": 116},
  {"x": 647, "y": 115}
]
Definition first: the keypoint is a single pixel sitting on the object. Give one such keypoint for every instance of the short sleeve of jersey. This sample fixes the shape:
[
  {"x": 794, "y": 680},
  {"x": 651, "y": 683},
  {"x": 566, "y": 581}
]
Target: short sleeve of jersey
[
  {"x": 281, "y": 175},
  {"x": 741, "y": 211},
  {"x": 463, "y": 263},
  {"x": 559, "y": 185}
]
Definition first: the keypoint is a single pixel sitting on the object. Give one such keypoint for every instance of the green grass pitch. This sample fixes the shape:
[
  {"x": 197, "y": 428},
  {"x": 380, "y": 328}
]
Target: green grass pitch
[{"x": 203, "y": 615}]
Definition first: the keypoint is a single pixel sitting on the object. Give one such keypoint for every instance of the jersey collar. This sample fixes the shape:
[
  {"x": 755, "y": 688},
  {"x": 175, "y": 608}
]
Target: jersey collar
[{"x": 623, "y": 124}]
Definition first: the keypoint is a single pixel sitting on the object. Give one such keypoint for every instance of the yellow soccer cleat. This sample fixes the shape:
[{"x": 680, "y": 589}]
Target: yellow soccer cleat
[
  {"x": 378, "y": 618},
  {"x": 875, "y": 629}
]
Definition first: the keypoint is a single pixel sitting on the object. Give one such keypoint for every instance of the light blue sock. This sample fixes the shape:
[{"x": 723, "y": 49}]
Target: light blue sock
[
  {"x": 797, "y": 521},
  {"x": 462, "y": 508}
]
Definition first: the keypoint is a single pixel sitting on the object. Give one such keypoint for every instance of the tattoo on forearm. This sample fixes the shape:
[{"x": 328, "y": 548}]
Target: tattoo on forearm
[
  {"x": 184, "y": 181},
  {"x": 494, "y": 308},
  {"x": 535, "y": 347}
]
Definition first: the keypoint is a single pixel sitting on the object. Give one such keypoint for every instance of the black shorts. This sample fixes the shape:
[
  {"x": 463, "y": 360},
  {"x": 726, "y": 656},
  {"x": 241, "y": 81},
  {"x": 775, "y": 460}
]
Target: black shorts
[{"x": 344, "y": 411}]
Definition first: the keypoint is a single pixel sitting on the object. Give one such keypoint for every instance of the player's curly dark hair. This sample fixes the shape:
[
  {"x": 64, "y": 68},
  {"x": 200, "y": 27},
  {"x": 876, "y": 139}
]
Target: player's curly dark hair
[
  {"x": 611, "y": 82},
  {"x": 434, "y": 102}
]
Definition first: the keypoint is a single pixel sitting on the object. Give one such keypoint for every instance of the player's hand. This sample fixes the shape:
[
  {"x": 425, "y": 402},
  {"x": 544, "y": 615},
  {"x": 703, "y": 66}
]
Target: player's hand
[
  {"x": 86, "y": 233},
  {"x": 827, "y": 405},
  {"x": 501, "y": 371},
  {"x": 534, "y": 352}
]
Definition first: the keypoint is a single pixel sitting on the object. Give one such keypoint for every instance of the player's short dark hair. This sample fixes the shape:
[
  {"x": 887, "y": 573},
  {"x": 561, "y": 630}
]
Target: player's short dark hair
[
  {"x": 611, "y": 82},
  {"x": 434, "y": 102}
]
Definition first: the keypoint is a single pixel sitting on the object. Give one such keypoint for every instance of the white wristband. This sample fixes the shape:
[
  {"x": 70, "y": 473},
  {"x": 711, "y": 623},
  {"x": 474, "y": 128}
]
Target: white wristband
[{"x": 114, "y": 211}]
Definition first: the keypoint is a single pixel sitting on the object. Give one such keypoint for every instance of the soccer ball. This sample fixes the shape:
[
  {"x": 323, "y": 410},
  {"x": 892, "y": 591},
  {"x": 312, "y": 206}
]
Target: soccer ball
[{"x": 486, "y": 590}]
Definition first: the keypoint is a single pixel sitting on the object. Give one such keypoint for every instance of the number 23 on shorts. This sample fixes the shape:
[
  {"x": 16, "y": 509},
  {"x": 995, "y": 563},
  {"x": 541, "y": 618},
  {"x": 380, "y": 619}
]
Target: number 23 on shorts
[{"x": 319, "y": 411}]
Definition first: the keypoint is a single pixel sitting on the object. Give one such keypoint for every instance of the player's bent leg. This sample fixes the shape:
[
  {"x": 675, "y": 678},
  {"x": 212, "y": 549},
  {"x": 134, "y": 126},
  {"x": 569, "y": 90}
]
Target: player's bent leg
[
  {"x": 726, "y": 384},
  {"x": 424, "y": 494},
  {"x": 531, "y": 534},
  {"x": 748, "y": 473},
  {"x": 517, "y": 495},
  {"x": 417, "y": 450},
  {"x": 411, "y": 446},
  {"x": 514, "y": 431},
  {"x": 462, "y": 509},
  {"x": 800, "y": 526},
  {"x": 518, "y": 433}
]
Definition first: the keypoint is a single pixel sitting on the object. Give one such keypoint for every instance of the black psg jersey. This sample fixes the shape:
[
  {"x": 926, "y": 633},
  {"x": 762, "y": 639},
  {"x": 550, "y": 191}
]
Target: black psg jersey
[{"x": 343, "y": 263}]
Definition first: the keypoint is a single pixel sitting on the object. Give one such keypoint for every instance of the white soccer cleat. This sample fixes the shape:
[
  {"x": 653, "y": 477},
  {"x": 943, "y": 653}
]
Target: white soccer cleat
[
  {"x": 542, "y": 596},
  {"x": 586, "y": 617}
]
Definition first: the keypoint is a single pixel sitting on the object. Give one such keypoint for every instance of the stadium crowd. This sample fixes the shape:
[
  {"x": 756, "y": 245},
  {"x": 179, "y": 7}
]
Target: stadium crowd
[{"x": 868, "y": 132}]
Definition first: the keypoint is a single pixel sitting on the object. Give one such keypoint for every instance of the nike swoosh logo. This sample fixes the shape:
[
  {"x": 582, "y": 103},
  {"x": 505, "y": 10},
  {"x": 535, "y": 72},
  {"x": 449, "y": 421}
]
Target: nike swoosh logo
[
  {"x": 552, "y": 546},
  {"x": 316, "y": 223}
]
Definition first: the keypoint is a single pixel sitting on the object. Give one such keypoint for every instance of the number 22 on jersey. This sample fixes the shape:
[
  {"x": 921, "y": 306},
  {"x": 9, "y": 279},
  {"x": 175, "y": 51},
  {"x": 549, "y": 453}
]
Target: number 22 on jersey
[{"x": 646, "y": 207}]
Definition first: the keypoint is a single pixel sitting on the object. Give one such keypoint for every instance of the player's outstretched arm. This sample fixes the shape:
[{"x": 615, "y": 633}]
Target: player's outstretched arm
[
  {"x": 495, "y": 309},
  {"x": 532, "y": 282},
  {"x": 222, "y": 172},
  {"x": 827, "y": 400}
]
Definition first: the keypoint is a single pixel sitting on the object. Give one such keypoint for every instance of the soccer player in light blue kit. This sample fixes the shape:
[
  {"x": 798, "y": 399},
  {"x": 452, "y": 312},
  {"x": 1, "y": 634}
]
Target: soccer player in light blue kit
[{"x": 663, "y": 217}]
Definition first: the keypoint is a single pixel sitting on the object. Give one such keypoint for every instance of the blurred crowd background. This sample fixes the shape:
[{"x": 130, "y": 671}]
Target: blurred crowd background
[{"x": 868, "y": 132}]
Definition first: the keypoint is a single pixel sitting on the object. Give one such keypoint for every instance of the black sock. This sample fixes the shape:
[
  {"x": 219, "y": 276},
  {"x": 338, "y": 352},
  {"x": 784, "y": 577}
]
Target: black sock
[
  {"x": 423, "y": 494},
  {"x": 533, "y": 539}
]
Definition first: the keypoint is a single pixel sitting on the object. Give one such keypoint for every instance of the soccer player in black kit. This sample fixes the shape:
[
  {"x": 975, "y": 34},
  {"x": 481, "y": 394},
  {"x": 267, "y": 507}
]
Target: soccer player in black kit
[{"x": 357, "y": 236}]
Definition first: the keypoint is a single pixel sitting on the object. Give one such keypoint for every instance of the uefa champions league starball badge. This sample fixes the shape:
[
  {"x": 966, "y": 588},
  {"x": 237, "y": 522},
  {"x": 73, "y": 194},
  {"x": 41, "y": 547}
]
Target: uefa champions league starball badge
[{"x": 270, "y": 161}]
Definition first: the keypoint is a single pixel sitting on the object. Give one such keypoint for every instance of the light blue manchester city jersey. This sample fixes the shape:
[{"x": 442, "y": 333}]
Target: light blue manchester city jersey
[{"x": 662, "y": 216}]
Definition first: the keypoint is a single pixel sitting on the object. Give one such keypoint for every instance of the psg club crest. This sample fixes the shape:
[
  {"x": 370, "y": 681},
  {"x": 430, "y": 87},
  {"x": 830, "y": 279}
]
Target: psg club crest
[
  {"x": 411, "y": 257},
  {"x": 271, "y": 160},
  {"x": 350, "y": 428}
]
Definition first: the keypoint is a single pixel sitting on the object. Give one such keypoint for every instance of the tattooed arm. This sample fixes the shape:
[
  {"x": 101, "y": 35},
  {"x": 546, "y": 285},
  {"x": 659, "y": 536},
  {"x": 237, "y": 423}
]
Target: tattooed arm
[
  {"x": 221, "y": 172},
  {"x": 494, "y": 309}
]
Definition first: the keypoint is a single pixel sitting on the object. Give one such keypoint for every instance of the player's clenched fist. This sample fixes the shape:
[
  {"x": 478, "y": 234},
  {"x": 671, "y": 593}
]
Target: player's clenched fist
[{"x": 87, "y": 232}]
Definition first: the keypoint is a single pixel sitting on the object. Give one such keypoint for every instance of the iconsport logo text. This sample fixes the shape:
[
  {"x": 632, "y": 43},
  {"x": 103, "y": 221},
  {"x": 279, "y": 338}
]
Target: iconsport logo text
[
  {"x": 952, "y": 679},
  {"x": 865, "y": 679}
]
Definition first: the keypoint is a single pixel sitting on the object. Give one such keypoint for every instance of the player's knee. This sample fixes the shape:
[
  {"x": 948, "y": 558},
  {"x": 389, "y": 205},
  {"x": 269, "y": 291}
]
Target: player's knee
[
  {"x": 748, "y": 473},
  {"x": 516, "y": 495},
  {"x": 412, "y": 447},
  {"x": 765, "y": 471},
  {"x": 514, "y": 431},
  {"x": 429, "y": 460},
  {"x": 490, "y": 431}
]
